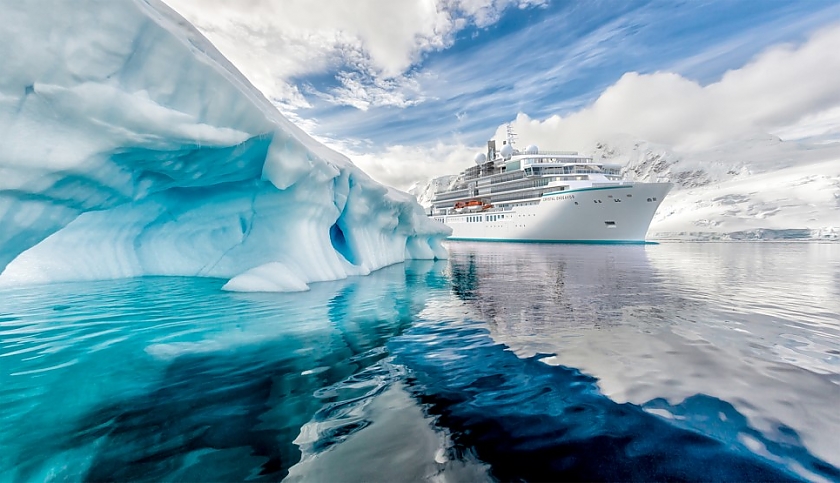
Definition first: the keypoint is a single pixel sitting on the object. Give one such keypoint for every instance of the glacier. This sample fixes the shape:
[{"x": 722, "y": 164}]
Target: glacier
[
  {"x": 129, "y": 146},
  {"x": 753, "y": 188}
]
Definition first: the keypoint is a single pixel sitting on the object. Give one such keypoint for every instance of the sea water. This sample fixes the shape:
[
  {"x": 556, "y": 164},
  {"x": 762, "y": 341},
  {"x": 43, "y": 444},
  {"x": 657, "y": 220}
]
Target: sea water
[{"x": 508, "y": 361}]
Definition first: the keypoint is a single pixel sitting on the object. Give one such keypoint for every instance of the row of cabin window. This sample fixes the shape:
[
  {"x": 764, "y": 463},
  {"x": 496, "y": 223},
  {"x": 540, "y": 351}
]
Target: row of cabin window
[{"x": 474, "y": 219}]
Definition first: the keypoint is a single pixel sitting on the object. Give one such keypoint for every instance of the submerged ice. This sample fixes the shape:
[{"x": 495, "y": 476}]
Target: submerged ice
[{"x": 131, "y": 147}]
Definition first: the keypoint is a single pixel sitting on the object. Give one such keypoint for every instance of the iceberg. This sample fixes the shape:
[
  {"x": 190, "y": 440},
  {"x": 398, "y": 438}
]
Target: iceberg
[{"x": 129, "y": 146}]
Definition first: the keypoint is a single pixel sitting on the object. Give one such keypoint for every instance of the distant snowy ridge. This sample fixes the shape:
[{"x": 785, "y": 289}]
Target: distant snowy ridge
[
  {"x": 424, "y": 192},
  {"x": 129, "y": 146},
  {"x": 754, "y": 189}
]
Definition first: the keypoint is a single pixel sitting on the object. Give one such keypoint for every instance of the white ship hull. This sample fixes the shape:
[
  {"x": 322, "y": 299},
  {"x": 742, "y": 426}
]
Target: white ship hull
[{"x": 613, "y": 214}]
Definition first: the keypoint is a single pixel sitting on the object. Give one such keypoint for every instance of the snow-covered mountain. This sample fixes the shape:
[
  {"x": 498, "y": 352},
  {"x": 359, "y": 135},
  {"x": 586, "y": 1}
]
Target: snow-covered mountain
[
  {"x": 425, "y": 191},
  {"x": 130, "y": 146},
  {"x": 759, "y": 188}
]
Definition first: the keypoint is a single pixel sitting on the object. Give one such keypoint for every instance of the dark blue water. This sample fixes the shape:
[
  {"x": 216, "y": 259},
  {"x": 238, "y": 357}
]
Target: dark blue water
[{"x": 690, "y": 362}]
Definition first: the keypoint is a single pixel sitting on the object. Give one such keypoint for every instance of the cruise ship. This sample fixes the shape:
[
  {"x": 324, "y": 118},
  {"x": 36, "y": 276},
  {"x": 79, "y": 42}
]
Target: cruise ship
[{"x": 548, "y": 196}]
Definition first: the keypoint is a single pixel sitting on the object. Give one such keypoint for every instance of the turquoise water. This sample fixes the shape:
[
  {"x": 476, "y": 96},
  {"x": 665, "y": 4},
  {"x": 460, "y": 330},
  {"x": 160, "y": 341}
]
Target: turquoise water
[{"x": 513, "y": 362}]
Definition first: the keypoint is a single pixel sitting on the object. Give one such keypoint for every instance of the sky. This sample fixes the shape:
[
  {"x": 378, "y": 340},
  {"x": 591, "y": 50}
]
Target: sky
[{"x": 412, "y": 89}]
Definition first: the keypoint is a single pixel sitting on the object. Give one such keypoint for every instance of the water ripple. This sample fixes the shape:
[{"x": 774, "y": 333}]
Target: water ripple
[{"x": 687, "y": 362}]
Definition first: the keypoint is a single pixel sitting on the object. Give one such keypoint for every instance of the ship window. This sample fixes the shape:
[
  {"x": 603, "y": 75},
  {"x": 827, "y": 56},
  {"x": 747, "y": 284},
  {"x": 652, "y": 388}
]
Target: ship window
[
  {"x": 610, "y": 224},
  {"x": 629, "y": 196},
  {"x": 649, "y": 200},
  {"x": 576, "y": 202},
  {"x": 654, "y": 198}
]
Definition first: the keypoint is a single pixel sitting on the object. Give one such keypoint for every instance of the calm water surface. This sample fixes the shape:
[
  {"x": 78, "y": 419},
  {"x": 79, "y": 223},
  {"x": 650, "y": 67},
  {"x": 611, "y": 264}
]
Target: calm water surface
[{"x": 510, "y": 362}]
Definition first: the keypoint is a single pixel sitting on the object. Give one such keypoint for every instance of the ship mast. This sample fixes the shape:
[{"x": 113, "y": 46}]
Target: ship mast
[{"x": 511, "y": 136}]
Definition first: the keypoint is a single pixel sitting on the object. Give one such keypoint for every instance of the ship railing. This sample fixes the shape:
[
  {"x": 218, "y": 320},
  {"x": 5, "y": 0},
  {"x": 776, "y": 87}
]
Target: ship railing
[
  {"x": 549, "y": 153},
  {"x": 451, "y": 195},
  {"x": 569, "y": 162}
]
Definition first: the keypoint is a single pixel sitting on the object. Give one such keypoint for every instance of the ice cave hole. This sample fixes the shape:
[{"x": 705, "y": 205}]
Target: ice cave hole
[{"x": 339, "y": 242}]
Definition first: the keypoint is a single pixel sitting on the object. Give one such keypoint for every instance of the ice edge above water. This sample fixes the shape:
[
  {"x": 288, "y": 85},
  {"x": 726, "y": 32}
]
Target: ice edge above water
[{"x": 132, "y": 147}]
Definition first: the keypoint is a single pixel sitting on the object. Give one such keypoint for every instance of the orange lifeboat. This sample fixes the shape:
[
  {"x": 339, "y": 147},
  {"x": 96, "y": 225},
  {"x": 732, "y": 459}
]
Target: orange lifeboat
[{"x": 473, "y": 205}]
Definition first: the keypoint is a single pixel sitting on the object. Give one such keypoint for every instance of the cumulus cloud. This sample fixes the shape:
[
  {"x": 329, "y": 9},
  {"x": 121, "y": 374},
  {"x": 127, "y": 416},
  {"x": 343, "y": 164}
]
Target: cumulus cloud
[
  {"x": 401, "y": 166},
  {"x": 371, "y": 44},
  {"x": 780, "y": 88}
]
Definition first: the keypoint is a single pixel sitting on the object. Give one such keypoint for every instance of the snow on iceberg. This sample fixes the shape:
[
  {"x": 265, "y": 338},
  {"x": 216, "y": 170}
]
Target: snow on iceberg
[{"x": 130, "y": 146}]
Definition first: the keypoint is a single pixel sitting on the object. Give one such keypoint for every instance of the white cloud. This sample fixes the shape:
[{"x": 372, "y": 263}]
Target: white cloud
[
  {"x": 401, "y": 166},
  {"x": 362, "y": 91},
  {"x": 824, "y": 126},
  {"x": 486, "y": 12},
  {"x": 371, "y": 44},
  {"x": 780, "y": 88}
]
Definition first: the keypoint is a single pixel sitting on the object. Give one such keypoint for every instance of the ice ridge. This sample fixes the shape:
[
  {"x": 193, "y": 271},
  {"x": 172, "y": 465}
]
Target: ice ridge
[{"x": 130, "y": 146}]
